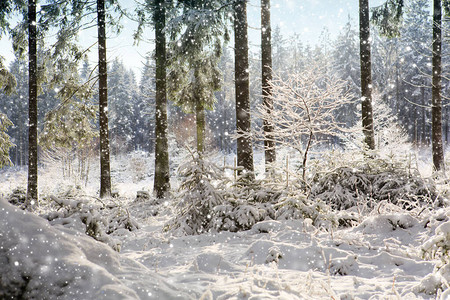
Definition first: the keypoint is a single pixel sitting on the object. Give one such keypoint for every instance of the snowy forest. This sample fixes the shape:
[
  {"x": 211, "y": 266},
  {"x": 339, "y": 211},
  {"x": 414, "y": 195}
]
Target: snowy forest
[{"x": 225, "y": 168}]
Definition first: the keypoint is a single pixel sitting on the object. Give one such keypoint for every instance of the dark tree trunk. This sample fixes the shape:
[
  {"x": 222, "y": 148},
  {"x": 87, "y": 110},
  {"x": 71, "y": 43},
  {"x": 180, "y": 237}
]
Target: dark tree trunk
[
  {"x": 423, "y": 133},
  {"x": 436, "y": 107},
  {"x": 242, "y": 86},
  {"x": 162, "y": 183},
  {"x": 32, "y": 189},
  {"x": 366, "y": 74},
  {"x": 266, "y": 56},
  {"x": 200, "y": 123},
  {"x": 105, "y": 173},
  {"x": 446, "y": 126}
]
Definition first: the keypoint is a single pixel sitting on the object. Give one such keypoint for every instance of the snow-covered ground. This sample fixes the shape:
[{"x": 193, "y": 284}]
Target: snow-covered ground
[{"x": 380, "y": 258}]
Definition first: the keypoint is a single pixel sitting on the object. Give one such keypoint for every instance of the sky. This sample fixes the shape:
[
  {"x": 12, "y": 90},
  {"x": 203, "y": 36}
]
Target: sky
[{"x": 308, "y": 18}]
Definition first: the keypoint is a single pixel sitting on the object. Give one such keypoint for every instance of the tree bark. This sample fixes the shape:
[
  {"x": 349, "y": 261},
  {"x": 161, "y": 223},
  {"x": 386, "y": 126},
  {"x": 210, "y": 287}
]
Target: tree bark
[
  {"x": 200, "y": 123},
  {"x": 32, "y": 188},
  {"x": 242, "y": 86},
  {"x": 423, "y": 133},
  {"x": 436, "y": 106},
  {"x": 105, "y": 173},
  {"x": 366, "y": 74},
  {"x": 162, "y": 179},
  {"x": 266, "y": 56}
]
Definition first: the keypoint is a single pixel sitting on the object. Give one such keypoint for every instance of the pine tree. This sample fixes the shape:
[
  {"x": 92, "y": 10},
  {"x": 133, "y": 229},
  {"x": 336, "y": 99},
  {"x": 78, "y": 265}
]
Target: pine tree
[
  {"x": 7, "y": 85},
  {"x": 279, "y": 52},
  {"x": 145, "y": 107},
  {"x": 195, "y": 55},
  {"x": 15, "y": 106},
  {"x": 345, "y": 64},
  {"x": 121, "y": 98},
  {"x": 415, "y": 57}
]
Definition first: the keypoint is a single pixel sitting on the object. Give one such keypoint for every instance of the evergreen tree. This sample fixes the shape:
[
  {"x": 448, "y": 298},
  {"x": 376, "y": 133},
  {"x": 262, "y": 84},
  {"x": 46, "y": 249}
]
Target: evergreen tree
[
  {"x": 345, "y": 64},
  {"x": 415, "y": 57},
  {"x": 145, "y": 107},
  {"x": 15, "y": 106},
  {"x": 7, "y": 84},
  {"x": 196, "y": 47},
  {"x": 121, "y": 98},
  {"x": 223, "y": 118},
  {"x": 279, "y": 52}
]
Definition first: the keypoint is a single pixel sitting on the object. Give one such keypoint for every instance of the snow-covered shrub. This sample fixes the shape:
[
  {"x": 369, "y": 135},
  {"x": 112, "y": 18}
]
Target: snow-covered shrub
[
  {"x": 241, "y": 215},
  {"x": 18, "y": 197},
  {"x": 437, "y": 247},
  {"x": 119, "y": 219},
  {"x": 247, "y": 202},
  {"x": 439, "y": 244},
  {"x": 98, "y": 220},
  {"x": 198, "y": 195},
  {"x": 298, "y": 206},
  {"x": 347, "y": 183}
]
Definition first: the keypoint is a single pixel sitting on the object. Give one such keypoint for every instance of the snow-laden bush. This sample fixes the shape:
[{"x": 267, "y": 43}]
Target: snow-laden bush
[
  {"x": 349, "y": 179},
  {"x": 98, "y": 220},
  {"x": 437, "y": 247},
  {"x": 299, "y": 206},
  {"x": 248, "y": 201},
  {"x": 209, "y": 201},
  {"x": 18, "y": 197},
  {"x": 198, "y": 195}
]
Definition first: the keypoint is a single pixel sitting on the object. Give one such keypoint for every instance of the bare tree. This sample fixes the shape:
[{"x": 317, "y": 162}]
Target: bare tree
[{"x": 304, "y": 107}]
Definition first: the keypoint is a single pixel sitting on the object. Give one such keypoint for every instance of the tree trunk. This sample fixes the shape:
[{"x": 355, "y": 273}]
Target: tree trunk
[
  {"x": 266, "y": 55},
  {"x": 423, "y": 133},
  {"x": 32, "y": 189},
  {"x": 161, "y": 183},
  {"x": 366, "y": 74},
  {"x": 200, "y": 122},
  {"x": 242, "y": 86},
  {"x": 105, "y": 173},
  {"x": 436, "y": 107}
]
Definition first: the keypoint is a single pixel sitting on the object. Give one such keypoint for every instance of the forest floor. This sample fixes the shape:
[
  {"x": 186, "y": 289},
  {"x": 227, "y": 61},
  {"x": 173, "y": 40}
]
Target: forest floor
[{"x": 381, "y": 257}]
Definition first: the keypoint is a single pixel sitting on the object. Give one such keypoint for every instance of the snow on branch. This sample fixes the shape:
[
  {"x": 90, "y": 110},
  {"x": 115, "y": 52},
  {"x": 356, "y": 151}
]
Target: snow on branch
[{"x": 304, "y": 109}]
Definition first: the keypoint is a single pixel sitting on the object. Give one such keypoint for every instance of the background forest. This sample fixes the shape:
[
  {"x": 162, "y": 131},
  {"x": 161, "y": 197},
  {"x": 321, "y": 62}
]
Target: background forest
[
  {"x": 287, "y": 171},
  {"x": 401, "y": 79}
]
